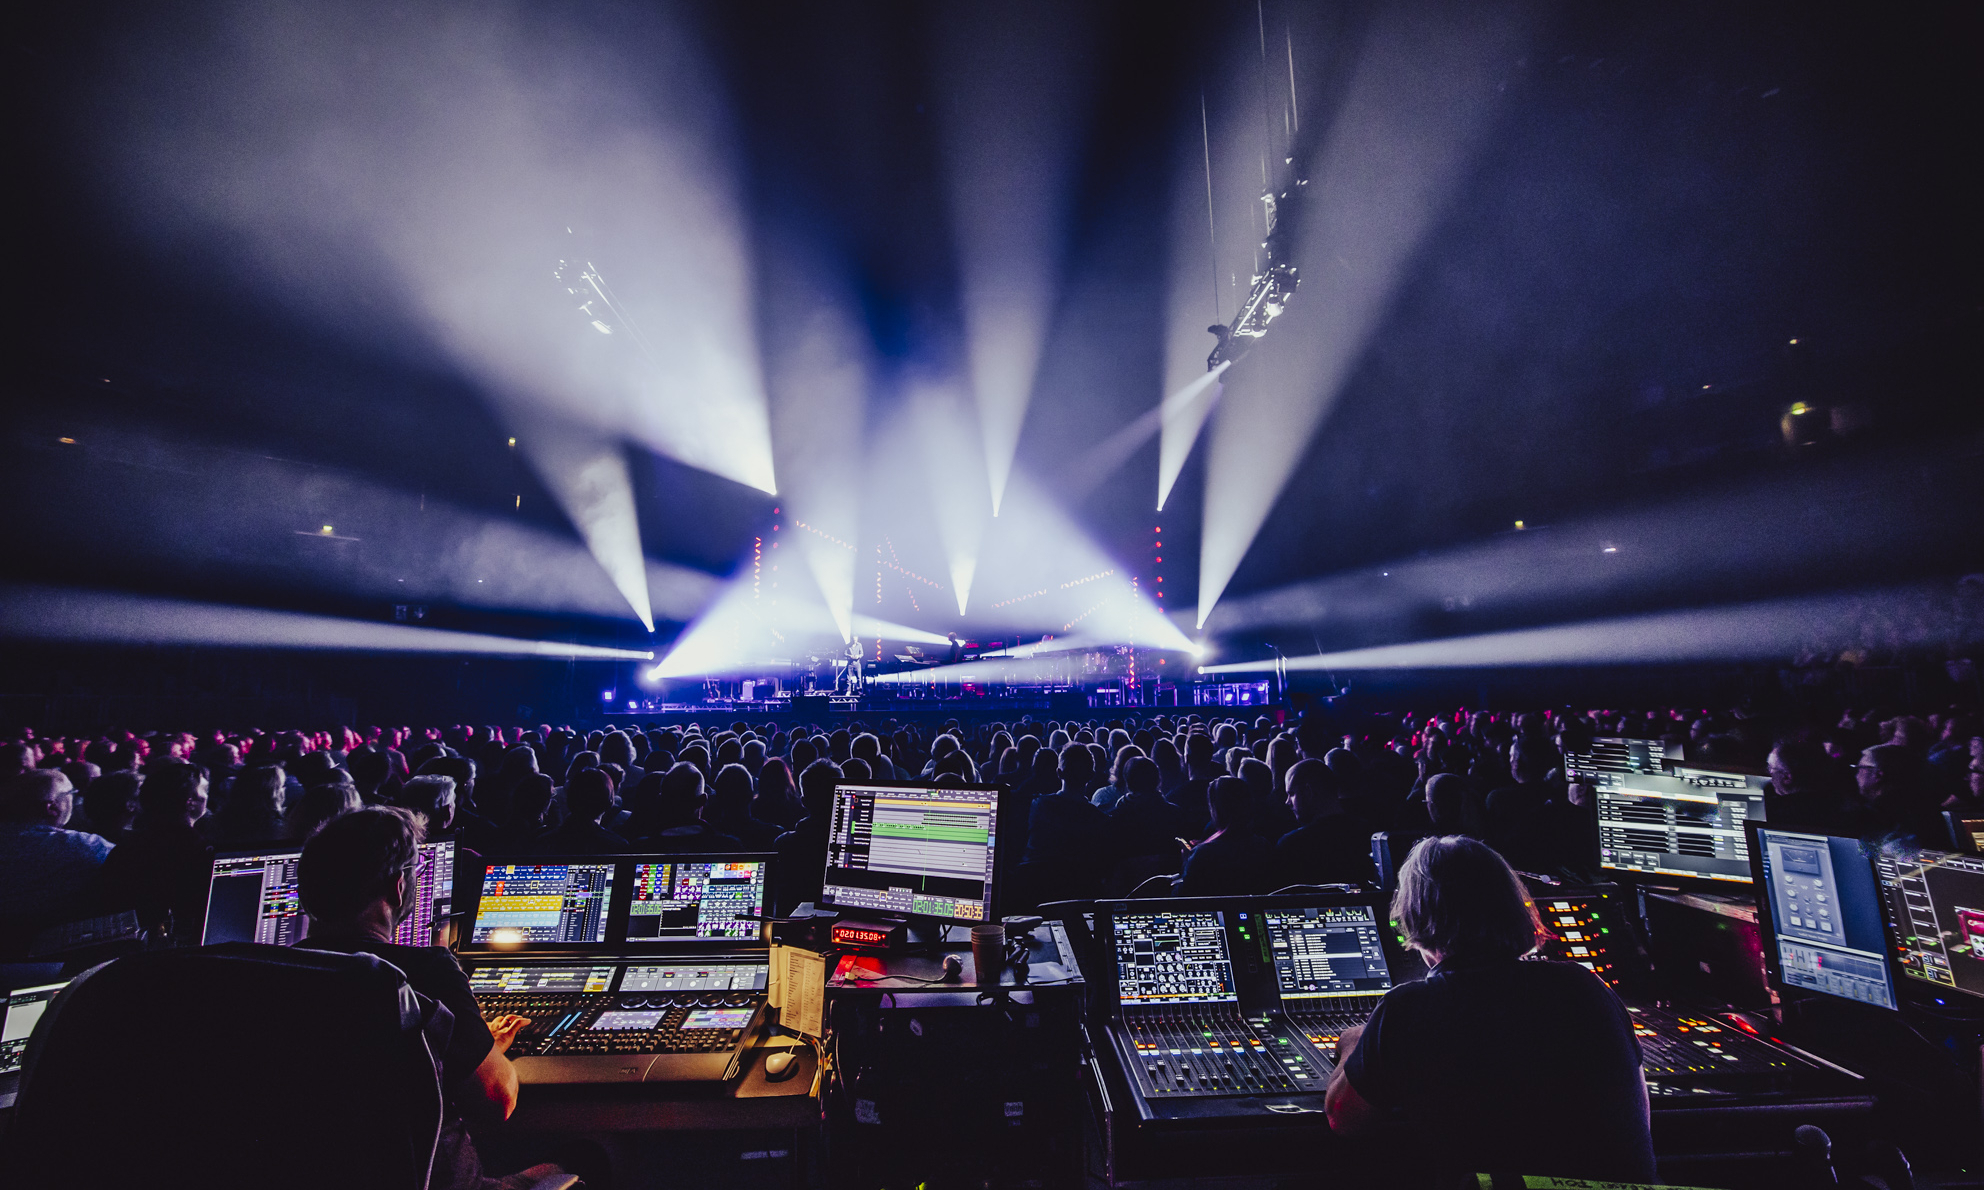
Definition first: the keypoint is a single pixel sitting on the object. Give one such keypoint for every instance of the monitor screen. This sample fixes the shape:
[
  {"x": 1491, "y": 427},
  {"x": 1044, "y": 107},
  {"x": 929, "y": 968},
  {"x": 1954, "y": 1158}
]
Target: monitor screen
[
  {"x": 1324, "y": 954},
  {"x": 252, "y": 897},
  {"x": 484, "y": 981},
  {"x": 1687, "y": 824},
  {"x": 694, "y": 977},
  {"x": 24, "y": 1007},
  {"x": 1824, "y": 916},
  {"x": 433, "y": 894},
  {"x": 1612, "y": 754},
  {"x": 689, "y": 899},
  {"x": 911, "y": 849},
  {"x": 1934, "y": 902},
  {"x": 1173, "y": 958},
  {"x": 552, "y": 904}
]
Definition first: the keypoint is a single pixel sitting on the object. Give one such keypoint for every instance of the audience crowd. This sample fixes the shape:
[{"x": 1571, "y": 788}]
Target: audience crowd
[{"x": 1139, "y": 804}]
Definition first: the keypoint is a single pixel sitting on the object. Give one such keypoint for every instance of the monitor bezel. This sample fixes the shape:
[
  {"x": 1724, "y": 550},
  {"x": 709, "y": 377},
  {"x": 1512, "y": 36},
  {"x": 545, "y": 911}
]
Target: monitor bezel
[
  {"x": 1695, "y": 884},
  {"x": 991, "y": 892},
  {"x": 617, "y": 909},
  {"x": 1767, "y": 924}
]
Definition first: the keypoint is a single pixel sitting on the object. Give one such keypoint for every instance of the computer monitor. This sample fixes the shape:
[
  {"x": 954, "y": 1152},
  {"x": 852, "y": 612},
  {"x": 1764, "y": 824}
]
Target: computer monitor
[
  {"x": 1326, "y": 954},
  {"x": 1819, "y": 909},
  {"x": 551, "y": 904},
  {"x": 433, "y": 894},
  {"x": 912, "y": 850},
  {"x": 252, "y": 896},
  {"x": 698, "y": 899},
  {"x": 1685, "y": 826},
  {"x": 1173, "y": 958},
  {"x": 1616, "y": 754},
  {"x": 23, "y": 1008},
  {"x": 1934, "y": 910}
]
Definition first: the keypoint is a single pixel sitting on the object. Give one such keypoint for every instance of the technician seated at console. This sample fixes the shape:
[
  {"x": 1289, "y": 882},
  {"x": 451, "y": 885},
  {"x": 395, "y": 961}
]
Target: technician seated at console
[
  {"x": 357, "y": 879},
  {"x": 1491, "y": 1064}
]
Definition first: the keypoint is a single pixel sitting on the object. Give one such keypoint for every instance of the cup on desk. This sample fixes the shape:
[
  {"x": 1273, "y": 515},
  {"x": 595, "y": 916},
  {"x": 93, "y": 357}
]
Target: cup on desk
[{"x": 988, "y": 952}]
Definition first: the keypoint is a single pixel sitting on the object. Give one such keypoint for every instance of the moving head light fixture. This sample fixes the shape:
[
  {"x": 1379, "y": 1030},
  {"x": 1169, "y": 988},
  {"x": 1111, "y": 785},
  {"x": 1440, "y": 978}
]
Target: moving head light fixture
[
  {"x": 1275, "y": 277},
  {"x": 588, "y": 289}
]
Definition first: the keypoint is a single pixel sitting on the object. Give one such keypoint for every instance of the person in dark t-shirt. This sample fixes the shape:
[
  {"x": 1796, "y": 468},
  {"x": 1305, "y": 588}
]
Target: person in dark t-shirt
[
  {"x": 356, "y": 880},
  {"x": 1492, "y": 1064}
]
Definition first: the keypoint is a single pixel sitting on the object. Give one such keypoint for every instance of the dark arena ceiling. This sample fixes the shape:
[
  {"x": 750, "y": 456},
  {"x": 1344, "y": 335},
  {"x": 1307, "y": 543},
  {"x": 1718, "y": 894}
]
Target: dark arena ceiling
[{"x": 530, "y": 313}]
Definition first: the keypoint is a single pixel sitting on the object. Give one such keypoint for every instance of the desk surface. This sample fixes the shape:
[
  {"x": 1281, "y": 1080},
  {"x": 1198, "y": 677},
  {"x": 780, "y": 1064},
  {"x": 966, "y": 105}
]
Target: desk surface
[{"x": 749, "y": 1101}]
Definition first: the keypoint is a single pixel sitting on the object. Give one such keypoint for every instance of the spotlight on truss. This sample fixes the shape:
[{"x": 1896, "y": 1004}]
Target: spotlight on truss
[{"x": 1272, "y": 287}]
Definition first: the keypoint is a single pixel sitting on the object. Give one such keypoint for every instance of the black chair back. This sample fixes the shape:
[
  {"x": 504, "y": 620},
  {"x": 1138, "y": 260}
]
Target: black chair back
[{"x": 234, "y": 1066}]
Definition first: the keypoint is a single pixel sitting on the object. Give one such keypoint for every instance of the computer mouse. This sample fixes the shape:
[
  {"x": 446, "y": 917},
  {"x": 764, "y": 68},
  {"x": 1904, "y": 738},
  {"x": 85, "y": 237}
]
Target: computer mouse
[
  {"x": 953, "y": 968},
  {"x": 777, "y": 1064}
]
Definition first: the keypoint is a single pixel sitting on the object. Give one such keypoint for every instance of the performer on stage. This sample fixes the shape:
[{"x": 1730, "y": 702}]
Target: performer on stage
[{"x": 854, "y": 668}]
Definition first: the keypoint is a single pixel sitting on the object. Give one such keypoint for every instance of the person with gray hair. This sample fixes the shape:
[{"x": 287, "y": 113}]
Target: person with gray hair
[
  {"x": 46, "y": 870},
  {"x": 1468, "y": 1059}
]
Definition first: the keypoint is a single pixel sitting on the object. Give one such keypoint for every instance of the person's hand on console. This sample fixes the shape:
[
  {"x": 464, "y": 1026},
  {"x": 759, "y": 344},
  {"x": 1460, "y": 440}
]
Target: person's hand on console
[
  {"x": 1347, "y": 1041},
  {"x": 1349, "y": 1112},
  {"x": 504, "y": 1030}
]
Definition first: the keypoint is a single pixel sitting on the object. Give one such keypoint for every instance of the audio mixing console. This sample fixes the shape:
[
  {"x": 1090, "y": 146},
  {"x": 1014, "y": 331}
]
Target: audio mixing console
[{"x": 1234, "y": 1009}]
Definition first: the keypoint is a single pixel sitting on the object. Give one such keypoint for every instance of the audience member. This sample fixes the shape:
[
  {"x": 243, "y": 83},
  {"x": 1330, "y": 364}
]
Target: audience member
[
  {"x": 47, "y": 872},
  {"x": 801, "y": 853},
  {"x": 679, "y": 808},
  {"x": 308, "y": 813},
  {"x": 729, "y": 809},
  {"x": 1234, "y": 860},
  {"x": 162, "y": 872},
  {"x": 1329, "y": 846},
  {"x": 1067, "y": 838},
  {"x": 111, "y": 804},
  {"x": 252, "y": 812},
  {"x": 588, "y": 798}
]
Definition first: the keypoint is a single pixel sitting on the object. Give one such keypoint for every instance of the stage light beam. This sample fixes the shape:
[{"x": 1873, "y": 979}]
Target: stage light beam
[
  {"x": 590, "y": 480},
  {"x": 1771, "y": 629},
  {"x": 1009, "y": 108},
  {"x": 1423, "y": 91},
  {"x": 50, "y": 613}
]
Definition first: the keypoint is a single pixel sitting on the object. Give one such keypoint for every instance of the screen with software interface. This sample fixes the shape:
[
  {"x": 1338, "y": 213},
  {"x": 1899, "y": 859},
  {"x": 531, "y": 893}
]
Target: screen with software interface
[
  {"x": 919, "y": 851},
  {"x": 1825, "y": 916},
  {"x": 689, "y": 899},
  {"x": 1934, "y": 903},
  {"x": 252, "y": 897},
  {"x": 1687, "y": 823},
  {"x": 554, "y": 903}
]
